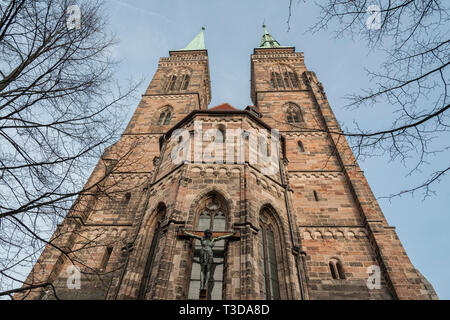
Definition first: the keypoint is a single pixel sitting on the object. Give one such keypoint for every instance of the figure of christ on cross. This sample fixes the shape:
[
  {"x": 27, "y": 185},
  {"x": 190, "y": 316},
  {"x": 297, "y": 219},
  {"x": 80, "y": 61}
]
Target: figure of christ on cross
[{"x": 206, "y": 253}]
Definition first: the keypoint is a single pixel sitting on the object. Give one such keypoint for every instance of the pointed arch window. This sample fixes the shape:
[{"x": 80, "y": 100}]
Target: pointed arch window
[
  {"x": 212, "y": 217},
  {"x": 268, "y": 258},
  {"x": 164, "y": 117},
  {"x": 178, "y": 79},
  {"x": 161, "y": 118},
  {"x": 283, "y": 77},
  {"x": 293, "y": 113},
  {"x": 160, "y": 215}
]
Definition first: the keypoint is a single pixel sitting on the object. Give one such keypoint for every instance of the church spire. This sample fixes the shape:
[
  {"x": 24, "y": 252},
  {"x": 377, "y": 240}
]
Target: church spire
[
  {"x": 198, "y": 43},
  {"x": 268, "y": 41}
]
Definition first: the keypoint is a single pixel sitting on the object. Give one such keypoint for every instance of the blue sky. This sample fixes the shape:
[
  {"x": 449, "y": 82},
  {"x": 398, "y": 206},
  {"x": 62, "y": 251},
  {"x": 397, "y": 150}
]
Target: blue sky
[{"x": 147, "y": 30}]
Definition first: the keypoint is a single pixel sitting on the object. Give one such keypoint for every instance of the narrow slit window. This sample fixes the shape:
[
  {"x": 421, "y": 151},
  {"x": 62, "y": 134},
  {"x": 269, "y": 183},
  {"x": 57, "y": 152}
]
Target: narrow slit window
[
  {"x": 106, "y": 257},
  {"x": 300, "y": 146},
  {"x": 126, "y": 198},
  {"x": 172, "y": 82},
  {"x": 316, "y": 196},
  {"x": 186, "y": 79},
  {"x": 340, "y": 270},
  {"x": 332, "y": 270}
]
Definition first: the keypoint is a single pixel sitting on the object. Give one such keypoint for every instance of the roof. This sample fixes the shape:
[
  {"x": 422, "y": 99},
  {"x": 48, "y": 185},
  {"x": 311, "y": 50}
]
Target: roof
[
  {"x": 268, "y": 41},
  {"x": 223, "y": 107},
  {"x": 198, "y": 43}
]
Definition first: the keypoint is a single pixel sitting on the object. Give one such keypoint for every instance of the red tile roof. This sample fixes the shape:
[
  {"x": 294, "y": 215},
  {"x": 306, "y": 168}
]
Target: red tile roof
[{"x": 223, "y": 107}]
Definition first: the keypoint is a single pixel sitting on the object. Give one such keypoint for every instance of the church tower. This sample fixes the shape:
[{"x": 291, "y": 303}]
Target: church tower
[{"x": 277, "y": 179}]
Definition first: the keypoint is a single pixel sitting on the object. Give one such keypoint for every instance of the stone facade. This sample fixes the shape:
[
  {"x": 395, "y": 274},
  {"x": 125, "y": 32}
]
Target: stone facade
[{"x": 323, "y": 226}]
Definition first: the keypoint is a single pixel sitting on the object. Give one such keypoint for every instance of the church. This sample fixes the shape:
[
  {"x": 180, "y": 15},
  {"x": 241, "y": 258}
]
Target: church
[{"x": 289, "y": 213}]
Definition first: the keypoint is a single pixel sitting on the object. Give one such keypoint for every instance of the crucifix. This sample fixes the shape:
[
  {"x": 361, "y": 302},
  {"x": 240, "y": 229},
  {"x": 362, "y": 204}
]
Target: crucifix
[{"x": 207, "y": 241}]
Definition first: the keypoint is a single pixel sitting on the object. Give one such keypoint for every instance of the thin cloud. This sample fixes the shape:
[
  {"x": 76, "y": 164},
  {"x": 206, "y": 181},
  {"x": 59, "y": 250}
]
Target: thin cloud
[{"x": 148, "y": 12}]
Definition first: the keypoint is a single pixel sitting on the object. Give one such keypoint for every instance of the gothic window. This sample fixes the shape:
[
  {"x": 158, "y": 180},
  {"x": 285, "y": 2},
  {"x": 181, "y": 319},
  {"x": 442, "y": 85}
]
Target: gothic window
[
  {"x": 178, "y": 79},
  {"x": 300, "y": 146},
  {"x": 283, "y": 77},
  {"x": 272, "y": 80},
  {"x": 172, "y": 83},
  {"x": 268, "y": 258},
  {"x": 212, "y": 216},
  {"x": 185, "y": 82},
  {"x": 164, "y": 117},
  {"x": 293, "y": 113},
  {"x": 287, "y": 83},
  {"x": 280, "y": 83},
  {"x": 336, "y": 270},
  {"x": 294, "y": 79},
  {"x": 161, "y": 118},
  {"x": 167, "y": 119},
  {"x": 160, "y": 214}
]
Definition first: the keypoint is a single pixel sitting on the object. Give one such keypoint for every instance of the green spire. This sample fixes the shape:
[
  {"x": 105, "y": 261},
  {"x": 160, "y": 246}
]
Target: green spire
[
  {"x": 198, "y": 43},
  {"x": 268, "y": 41}
]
